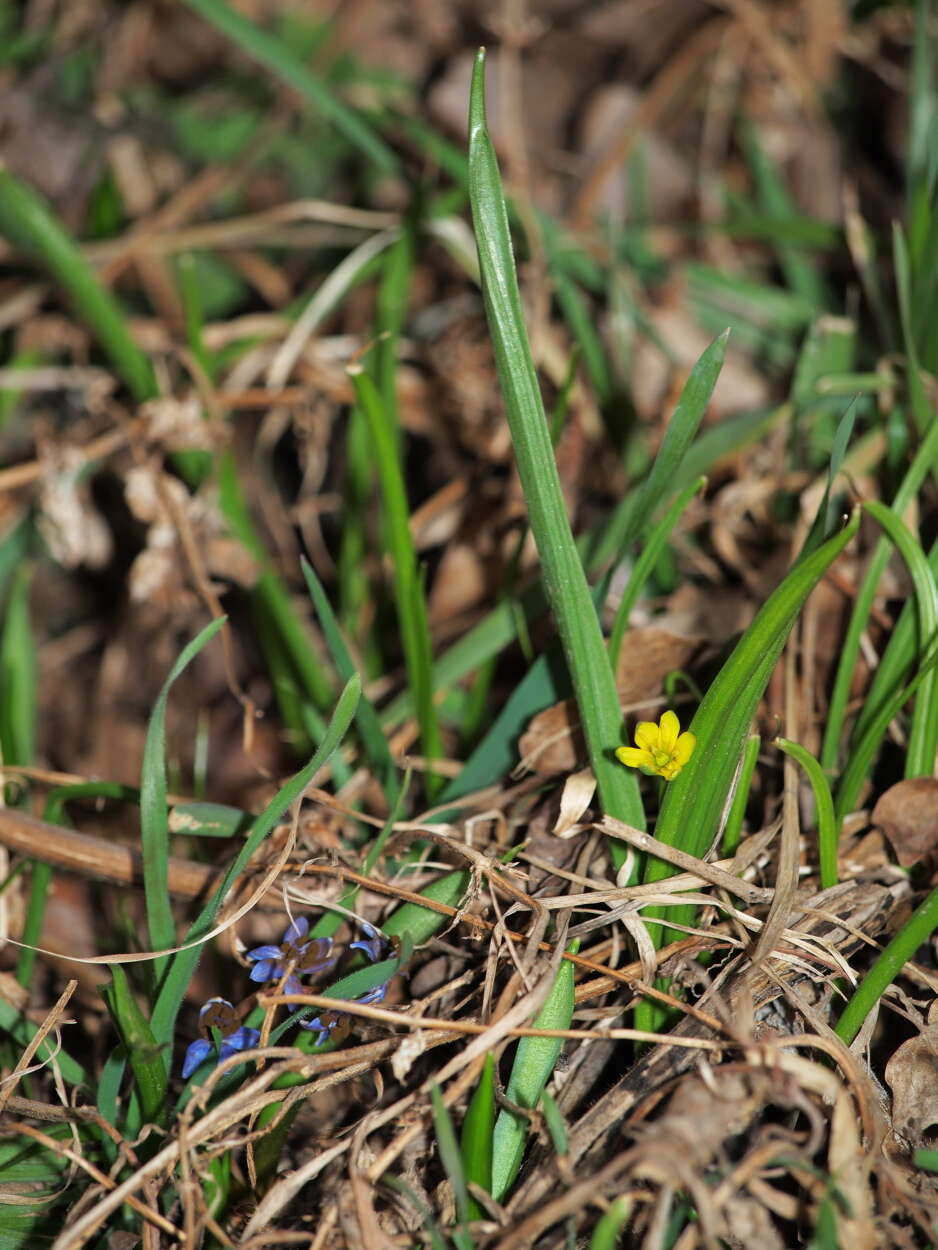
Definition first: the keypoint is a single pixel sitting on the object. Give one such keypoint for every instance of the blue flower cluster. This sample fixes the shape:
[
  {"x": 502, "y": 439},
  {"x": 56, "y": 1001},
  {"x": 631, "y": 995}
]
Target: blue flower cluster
[
  {"x": 296, "y": 956},
  {"x": 218, "y": 1014}
]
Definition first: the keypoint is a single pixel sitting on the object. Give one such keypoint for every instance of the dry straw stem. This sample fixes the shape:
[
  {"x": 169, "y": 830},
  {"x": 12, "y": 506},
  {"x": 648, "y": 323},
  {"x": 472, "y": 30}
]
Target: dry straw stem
[
  {"x": 152, "y": 1216},
  {"x": 52, "y": 1020},
  {"x": 100, "y": 857},
  {"x": 252, "y": 1096},
  {"x": 474, "y": 1028}
]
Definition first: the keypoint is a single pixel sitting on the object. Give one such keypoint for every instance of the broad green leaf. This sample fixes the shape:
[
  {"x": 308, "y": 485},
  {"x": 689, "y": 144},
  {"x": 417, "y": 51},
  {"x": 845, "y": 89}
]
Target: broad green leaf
[
  {"x": 694, "y": 802},
  {"x": 143, "y": 1052},
  {"x": 534, "y": 1062}
]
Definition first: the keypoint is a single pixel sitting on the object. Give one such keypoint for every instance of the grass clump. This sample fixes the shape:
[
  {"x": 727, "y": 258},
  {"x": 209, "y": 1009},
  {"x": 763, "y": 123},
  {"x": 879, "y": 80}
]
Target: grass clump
[{"x": 361, "y": 512}]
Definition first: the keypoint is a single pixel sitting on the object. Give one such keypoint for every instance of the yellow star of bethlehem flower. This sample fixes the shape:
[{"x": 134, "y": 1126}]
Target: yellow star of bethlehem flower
[{"x": 660, "y": 749}]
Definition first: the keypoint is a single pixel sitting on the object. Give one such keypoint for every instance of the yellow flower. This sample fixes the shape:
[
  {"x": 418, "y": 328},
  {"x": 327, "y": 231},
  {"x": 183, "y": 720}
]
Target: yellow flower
[{"x": 660, "y": 748}]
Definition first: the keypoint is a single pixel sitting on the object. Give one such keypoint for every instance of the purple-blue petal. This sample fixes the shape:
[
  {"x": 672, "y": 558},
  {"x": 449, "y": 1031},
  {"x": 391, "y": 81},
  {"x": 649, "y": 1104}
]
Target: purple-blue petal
[
  {"x": 265, "y": 970},
  {"x": 196, "y": 1053},
  {"x": 243, "y": 1039},
  {"x": 296, "y": 929},
  {"x": 316, "y": 1026},
  {"x": 315, "y": 969},
  {"x": 372, "y": 944},
  {"x": 293, "y": 985},
  {"x": 375, "y": 995},
  {"x": 264, "y": 952}
]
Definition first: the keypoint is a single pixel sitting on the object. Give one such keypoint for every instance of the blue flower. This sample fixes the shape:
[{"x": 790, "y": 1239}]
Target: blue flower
[
  {"x": 323, "y": 1029},
  {"x": 220, "y": 1014},
  {"x": 375, "y": 995},
  {"x": 373, "y": 944},
  {"x": 302, "y": 957}
]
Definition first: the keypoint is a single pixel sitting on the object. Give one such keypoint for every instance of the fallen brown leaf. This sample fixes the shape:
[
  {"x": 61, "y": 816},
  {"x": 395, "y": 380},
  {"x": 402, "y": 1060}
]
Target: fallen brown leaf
[
  {"x": 908, "y": 815},
  {"x": 553, "y": 741},
  {"x": 910, "y": 1074}
]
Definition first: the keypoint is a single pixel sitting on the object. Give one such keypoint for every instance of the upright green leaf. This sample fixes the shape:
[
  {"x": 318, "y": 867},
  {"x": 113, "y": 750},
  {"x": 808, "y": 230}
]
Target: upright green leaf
[
  {"x": 564, "y": 579},
  {"x": 154, "y": 813},
  {"x": 477, "y": 1129},
  {"x": 408, "y": 585}
]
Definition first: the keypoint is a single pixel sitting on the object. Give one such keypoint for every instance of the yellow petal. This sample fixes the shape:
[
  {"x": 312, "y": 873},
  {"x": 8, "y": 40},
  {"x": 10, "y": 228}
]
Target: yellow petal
[
  {"x": 646, "y": 735},
  {"x": 684, "y": 748},
  {"x": 632, "y": 756},
  {"x": 668, "y": 730}
]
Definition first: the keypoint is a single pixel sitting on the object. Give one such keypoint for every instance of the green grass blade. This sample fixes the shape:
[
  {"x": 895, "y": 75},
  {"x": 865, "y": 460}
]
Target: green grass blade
[
  {"x": 825, "y": 518},
  {"x": 628, "y": 522},
  {"x": 154, "y": 812},
  {"x": 827, "y": 827},
  {"x": 607, "y": 1232},
  {"x": 863, "y": 751},
  {"x": 580, "y": 320},
  {"x": 275, "y": 56},
  {"x": 732, "y": 832},
  {"x": 269, "y": 595},
  {"x": 391, "y": 314},
  {"x": 923, "y": 735},
  {"x": 40, "y": 881},
  {"x": 921, "y": 409},
  {"x": 895, "y": 662},
  {"x": 924, "y": 461},
  {"x": 801, "y": 271},
  {"x": 18, "y": 674},
  {"x": 408, "y": 585},
  {"x": 917, "y": 929},
  {"x": 645, "y": 564},
  {"x": 354, "y": 588},
  {"x": 452, "y": 1162},
  {"x": 556, "y": 1126},
  {"x": 727, "y": 437},
  {"x": 18, "y": 715},
  {"x": 143, "y": 1052},
  {"x": 366, "y": 718},
  {"x": 32, "y": 227},
  {"x": 183, "y": 965},
  {"x": 534, "y": 1062},
  {"x": 564, "y": 579},
  {"x": 209, "y": 820},
  {"x": 476, "y": 1142}
]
